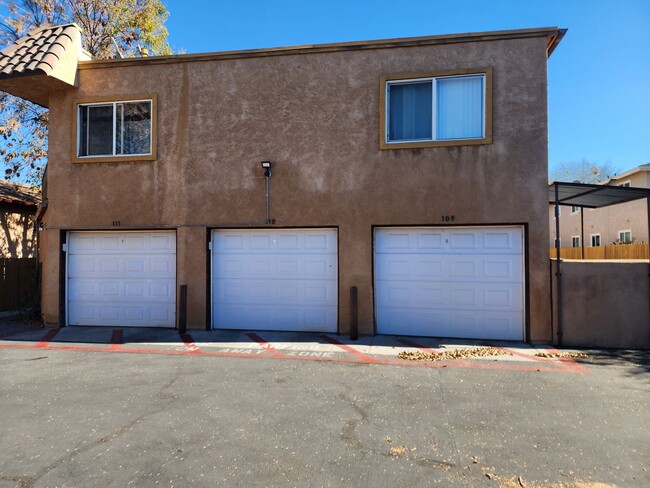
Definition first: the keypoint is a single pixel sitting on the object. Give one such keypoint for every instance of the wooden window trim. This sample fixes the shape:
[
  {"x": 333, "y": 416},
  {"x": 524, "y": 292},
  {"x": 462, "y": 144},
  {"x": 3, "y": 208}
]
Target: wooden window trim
[
  {"x": 425, "y": 144},
  {"x": 126, "y": 158}
]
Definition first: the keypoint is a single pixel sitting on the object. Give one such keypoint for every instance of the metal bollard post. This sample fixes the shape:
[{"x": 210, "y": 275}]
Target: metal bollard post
[
  {"x": 354, "y": 313},
  {"x": 182, "y": 310}
]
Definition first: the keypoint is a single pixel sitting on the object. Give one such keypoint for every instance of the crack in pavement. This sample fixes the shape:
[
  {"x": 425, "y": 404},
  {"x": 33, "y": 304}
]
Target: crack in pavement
[
  {"x": 31, "y": 481},
  {"x": 461, "y": 474},
  {"x": 348, "y": 435}
]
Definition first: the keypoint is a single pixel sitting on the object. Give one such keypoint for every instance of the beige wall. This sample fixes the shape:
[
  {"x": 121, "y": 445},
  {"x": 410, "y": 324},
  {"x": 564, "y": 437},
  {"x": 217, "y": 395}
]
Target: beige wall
[
  {"x": 316, "y": 116},
  {"x": 605, "y": 304},
  {"x": 17, "y": 231}
]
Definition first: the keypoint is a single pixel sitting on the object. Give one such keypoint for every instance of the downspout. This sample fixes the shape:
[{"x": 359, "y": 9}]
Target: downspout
[
  {"x": 267, "y": 176},
  {"x": 582, "y": 233},
  {"x": 558, "y": 271},
  {"x": 647, "y": 201},
  {"x": 42, "y": 208},
  {"x": 40, "y": 212}
]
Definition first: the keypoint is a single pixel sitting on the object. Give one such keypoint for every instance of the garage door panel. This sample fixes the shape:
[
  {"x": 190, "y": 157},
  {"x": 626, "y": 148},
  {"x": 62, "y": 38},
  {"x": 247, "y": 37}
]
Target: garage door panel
[
  {"x": 467, "y": 283},
  {"x": 281, "y": 279},
  {"x": 121, "y": 278},
  {"x": 295, "y": 292},
  {"x": 398, "y": 240},
  {"x": 301, "y": 266},
  {"x": 275, "y": 317},
  {"x": 278, "y": 241},
  {"x": 105, "y": 314},
  {"x": 449, "y": 241},
  {"x": 448, "y": 323},
  {"x": 445, "y": 295},
  {"x": 407, "y": 293},
  {"x": 448, "y": 267},
  {"x": 89, "y": 266},
  {"x": 110, "y": 289}
]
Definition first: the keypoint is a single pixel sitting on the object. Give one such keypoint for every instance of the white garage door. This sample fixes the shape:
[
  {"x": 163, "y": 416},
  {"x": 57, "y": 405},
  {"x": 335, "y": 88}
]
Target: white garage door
[
  {"x": 450, "y": 282},
  {"x": 275, "y": 279},
  {"x": 121, "y": 279}
]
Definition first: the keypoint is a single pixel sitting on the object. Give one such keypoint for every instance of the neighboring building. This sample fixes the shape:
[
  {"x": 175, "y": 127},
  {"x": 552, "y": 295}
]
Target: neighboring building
[
  {"x": 616, "y": 224},
  {"x": 18, "y": 205},
  {"x": 414, "y": 169}
]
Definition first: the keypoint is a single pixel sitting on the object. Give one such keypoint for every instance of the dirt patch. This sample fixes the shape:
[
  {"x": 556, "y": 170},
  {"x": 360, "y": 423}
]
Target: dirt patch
[{"x": 459, "y": 353}]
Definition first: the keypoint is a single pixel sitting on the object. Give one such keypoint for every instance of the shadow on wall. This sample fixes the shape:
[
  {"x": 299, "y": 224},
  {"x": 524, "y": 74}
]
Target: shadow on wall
[{"x": 16, "y": 235}]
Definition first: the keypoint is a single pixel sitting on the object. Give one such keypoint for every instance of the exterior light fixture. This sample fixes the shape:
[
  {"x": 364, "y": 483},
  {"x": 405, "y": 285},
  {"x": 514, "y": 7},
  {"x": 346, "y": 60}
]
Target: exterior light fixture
[{"x": 266, "y": 165}]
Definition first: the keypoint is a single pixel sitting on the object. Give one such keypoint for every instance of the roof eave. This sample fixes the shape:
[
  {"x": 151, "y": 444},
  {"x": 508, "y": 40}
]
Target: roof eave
[
  {"x": 552, "y": 41},
  {"x": 552, "y": 34}
]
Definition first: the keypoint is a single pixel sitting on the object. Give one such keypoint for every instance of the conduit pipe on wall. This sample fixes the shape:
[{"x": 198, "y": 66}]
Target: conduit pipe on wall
[
  {"x": 558, "y": 270},
  {"x": 267, "y": 175}
]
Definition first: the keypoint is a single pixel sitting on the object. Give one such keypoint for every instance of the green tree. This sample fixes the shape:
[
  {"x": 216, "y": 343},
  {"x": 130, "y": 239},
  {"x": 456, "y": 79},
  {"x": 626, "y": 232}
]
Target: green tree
[
  {"x": 583, "y": 172},
  {"x": 127, "y": 24}
]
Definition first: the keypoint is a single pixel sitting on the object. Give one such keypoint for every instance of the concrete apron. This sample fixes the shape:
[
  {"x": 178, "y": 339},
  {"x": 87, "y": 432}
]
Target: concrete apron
[{"x": 288, "y": 345}]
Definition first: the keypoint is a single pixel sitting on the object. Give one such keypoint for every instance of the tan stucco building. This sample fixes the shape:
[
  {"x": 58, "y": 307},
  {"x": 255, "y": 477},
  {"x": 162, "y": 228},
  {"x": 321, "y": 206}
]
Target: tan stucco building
[{"x": 413, "y": 169}]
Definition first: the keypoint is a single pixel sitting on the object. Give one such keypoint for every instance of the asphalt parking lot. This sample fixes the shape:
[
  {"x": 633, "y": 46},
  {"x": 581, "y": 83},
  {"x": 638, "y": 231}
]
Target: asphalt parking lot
[{"x": 152, "y": 408}]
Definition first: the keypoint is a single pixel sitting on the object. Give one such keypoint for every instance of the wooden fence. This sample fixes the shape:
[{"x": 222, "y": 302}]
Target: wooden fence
[
  {"x": 624, "y": 251},
  {"x": 18, "y": 283}
]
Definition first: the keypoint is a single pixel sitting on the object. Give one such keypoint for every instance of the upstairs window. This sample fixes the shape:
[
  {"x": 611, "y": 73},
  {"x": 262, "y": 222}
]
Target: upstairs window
[
  {"x": 116, "y": 130},
  {"x": 625, "y": 236},
  {"x": 436, "y": 110},
  {"x": 595, "y": 240},
  {"x": 575, "y": 241},
  {"x": 626, "y": 184}
]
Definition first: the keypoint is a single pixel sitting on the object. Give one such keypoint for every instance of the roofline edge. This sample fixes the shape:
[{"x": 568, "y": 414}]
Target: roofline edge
[{"x": 554, "y": 34}]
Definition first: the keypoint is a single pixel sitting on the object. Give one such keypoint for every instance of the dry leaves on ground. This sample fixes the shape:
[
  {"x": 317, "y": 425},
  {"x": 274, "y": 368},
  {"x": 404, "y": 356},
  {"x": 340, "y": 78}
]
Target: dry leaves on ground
[
  {"x": 561, "y": 355},
  {"x": 398, "y": 451},
  {"x": 520, "y": 482},
  {"x": 458, "y": 353}
]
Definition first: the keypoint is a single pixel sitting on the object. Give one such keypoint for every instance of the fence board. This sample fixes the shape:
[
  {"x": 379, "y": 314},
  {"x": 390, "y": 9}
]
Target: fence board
[
  {"x": 18, "y": 283},
  {"x": 624, "y": 251}
]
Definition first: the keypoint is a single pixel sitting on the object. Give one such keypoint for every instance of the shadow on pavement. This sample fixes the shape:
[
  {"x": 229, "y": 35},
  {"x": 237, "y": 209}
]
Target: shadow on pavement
[{"x": 636, "y": 361}]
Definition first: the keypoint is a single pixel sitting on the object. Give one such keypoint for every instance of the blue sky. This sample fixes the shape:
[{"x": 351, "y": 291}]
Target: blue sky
[{"x": 599, "y": 76}]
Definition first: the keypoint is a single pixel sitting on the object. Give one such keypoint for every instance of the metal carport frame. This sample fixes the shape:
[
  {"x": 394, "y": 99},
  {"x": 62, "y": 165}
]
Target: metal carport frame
[{"x": 586, "y": 195}]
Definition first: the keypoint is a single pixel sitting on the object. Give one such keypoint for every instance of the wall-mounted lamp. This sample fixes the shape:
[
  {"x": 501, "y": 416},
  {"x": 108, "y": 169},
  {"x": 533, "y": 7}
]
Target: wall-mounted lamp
[
  {"x": 267, "y": 174},
  {"x": 267, "y": 166}
]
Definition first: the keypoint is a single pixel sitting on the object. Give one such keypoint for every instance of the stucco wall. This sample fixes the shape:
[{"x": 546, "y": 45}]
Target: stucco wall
[
  {"x": 17, "y": 231},
  {"x": 605, "y": 304},
  {"x": 316, "y": 116}
]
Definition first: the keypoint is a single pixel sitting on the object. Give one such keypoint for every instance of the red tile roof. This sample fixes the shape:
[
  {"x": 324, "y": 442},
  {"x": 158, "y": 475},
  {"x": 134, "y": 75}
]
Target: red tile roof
[
  {"x": 39, "y": 51},
  {"x": 11, "y": 192}
]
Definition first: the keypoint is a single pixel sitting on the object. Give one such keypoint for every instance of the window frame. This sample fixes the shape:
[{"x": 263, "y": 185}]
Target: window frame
[
  {"x": 625, "y": 232},
  {"x": 115, "y": 158},
  {"x": 575, "y": 209},
  {"x": 575, "y": 241},
  {"x": 385, "y": 81},
  {"x": 625, "y": 184},
  {"x": 591, "y": 239}
]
